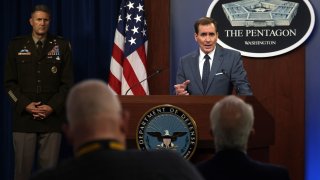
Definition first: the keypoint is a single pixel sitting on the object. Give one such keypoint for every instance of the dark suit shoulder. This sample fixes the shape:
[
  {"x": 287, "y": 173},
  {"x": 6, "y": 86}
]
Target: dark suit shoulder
[
  {"x": 229, "y": 51},
  {"x": 191, "y": 55},
  {"x": 275, "y": 171},
  {"x": 167, "y": 157},
  {"x": 173, "y": 165},
  {"x": 47, "y": 174},
  {"x": 237, "y": 165}
]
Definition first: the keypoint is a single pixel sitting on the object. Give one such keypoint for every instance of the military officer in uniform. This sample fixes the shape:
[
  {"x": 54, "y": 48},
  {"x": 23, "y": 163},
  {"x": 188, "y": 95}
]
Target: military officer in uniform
[{"x": 38, "y": 76}]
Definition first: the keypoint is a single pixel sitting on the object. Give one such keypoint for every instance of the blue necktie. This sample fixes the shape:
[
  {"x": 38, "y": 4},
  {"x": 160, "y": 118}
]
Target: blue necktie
[{"x": 205, "y": 72}]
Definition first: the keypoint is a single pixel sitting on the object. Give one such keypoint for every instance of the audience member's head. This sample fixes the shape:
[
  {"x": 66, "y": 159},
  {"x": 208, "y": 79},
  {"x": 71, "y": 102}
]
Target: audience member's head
[
  {"x": 231, "y": 123},
  {"x": 94, "y": 113}
]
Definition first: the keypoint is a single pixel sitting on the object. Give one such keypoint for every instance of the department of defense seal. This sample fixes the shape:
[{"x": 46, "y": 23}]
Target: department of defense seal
[{"x": 167, "y": 127}]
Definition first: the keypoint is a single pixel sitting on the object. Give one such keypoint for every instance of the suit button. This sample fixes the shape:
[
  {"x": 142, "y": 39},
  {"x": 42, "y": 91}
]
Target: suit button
[
  {"x": 38, "y": 71},
  {"x": 39, "y": 81}
]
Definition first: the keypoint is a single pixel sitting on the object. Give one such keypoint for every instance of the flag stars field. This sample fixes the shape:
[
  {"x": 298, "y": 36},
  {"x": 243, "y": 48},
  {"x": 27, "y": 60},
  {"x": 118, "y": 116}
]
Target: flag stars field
[{"x": 129, "y": 54}]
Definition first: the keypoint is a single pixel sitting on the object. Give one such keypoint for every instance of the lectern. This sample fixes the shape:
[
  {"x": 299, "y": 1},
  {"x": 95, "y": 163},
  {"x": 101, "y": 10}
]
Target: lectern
[{"x": 199, "y": 108}]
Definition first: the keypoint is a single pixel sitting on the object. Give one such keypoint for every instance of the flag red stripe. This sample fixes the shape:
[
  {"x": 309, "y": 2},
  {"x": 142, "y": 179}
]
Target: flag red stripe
[
  {"x": 132, "y": 79},
  {"x": 117, "y": 54},
  {"x": 142, "y": 54},
  {"x": 114, "y": 83},
  {"x": 127, "y": 72}
]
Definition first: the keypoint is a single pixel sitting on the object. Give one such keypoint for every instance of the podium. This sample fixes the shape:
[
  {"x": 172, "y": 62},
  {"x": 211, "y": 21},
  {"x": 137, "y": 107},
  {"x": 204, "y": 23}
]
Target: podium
[{"x": 199, "y": 107}]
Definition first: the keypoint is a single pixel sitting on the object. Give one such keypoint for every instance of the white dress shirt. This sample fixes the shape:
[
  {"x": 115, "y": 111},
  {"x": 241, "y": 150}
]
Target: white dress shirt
[{"x": 202, "y": 60}]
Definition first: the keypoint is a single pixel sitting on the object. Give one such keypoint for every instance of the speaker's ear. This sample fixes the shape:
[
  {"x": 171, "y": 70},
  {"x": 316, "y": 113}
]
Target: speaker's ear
[{"x": 195, "y": 37}]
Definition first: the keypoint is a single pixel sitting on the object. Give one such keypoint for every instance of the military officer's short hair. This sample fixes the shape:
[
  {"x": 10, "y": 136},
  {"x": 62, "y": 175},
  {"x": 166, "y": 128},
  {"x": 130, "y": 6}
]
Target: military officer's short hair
[{"x": 41, "y": 7}]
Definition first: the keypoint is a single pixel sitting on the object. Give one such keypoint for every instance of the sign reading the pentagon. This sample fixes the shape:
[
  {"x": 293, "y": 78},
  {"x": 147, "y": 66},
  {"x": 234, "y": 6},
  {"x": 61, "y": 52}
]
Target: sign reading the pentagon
[
  {"x": 262, "y": 28},
  {"x": 167, "y": 127}
]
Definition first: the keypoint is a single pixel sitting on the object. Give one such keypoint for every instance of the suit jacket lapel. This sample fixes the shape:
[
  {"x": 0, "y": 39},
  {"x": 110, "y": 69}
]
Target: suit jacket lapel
[
  {"x": 216, "y": 63},
  {"x": 196, "y": 71}
]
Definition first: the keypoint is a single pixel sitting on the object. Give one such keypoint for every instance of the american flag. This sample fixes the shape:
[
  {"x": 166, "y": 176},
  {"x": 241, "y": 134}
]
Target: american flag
[{"x": 129, "y": 53}]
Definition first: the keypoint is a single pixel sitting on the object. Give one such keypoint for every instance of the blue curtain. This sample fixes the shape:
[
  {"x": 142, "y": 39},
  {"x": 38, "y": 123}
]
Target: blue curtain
[{"x": 88, "y": 24}]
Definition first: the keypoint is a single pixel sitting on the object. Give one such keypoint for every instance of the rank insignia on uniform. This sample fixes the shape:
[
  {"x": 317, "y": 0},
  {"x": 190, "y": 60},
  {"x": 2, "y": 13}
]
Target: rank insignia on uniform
[
  {"x": 13, "y": 97},
  {"x": 54, "y": 69},
  {"x": 54, "y": 51},
  {"x": 167, "y": 127},
  {"x": 24, "y": 52}
]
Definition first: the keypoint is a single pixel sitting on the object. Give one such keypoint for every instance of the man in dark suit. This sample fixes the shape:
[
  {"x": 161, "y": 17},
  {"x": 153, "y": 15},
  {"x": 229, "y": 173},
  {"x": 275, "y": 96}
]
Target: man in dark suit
[
  {"x": 97, "y": 131},
  {"x": 38, "y": 76},
  {"x": 231, "y": 123},
  {"x": 211, "y": 70}
]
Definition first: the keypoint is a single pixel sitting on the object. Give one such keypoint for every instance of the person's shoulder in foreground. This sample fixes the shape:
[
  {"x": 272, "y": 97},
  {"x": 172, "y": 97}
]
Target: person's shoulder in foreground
[
  {"x": 230, "y": 164},
  {"x": 130, "y": 164}
]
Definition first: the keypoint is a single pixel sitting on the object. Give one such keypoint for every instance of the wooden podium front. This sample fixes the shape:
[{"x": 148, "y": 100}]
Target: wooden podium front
[{"x": 199, "y": 108}]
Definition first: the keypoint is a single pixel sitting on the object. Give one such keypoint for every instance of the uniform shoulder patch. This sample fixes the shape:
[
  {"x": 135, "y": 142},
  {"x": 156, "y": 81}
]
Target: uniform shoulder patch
[{"x": 59, "y": 37}]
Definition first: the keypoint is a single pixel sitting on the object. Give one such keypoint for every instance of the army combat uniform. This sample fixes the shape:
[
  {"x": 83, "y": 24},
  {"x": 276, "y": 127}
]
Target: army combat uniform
[{"x": 37, "y": 76}]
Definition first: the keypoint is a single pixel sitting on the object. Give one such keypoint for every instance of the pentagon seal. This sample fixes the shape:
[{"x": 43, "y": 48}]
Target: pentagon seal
[{"x": 167, "y": 127}]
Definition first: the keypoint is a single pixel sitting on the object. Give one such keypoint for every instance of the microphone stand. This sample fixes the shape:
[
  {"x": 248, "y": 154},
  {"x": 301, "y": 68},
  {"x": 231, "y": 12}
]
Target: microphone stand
[{"x": 136, "y": 84}]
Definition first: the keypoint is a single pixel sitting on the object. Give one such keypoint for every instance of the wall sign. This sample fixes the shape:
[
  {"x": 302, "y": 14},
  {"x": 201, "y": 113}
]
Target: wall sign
[{"x": 262, "y": 28}]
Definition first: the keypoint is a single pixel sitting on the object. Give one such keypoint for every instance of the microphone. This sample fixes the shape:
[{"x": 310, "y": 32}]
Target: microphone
[{"x": 136, "y": 84}]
